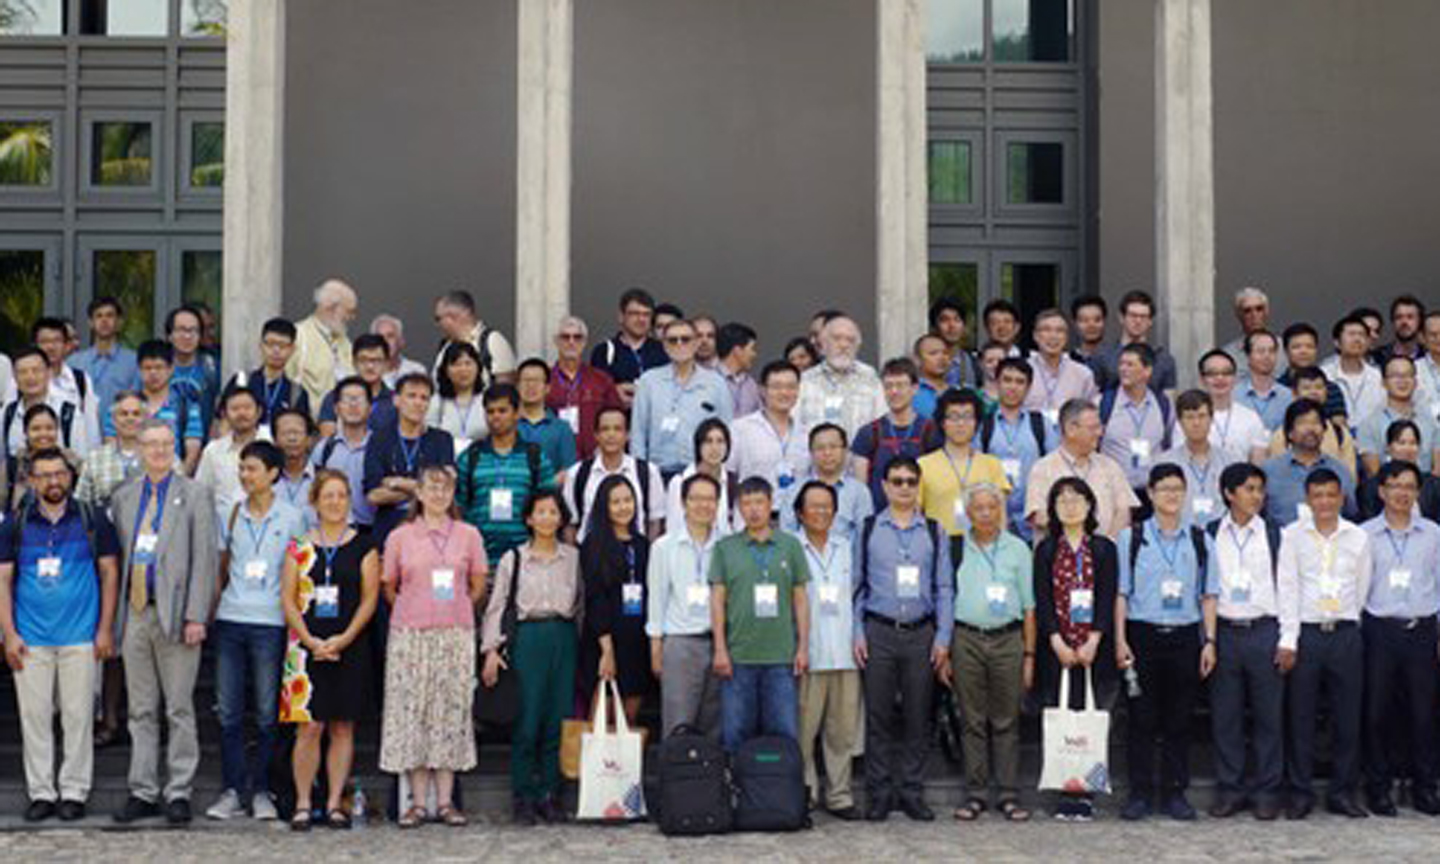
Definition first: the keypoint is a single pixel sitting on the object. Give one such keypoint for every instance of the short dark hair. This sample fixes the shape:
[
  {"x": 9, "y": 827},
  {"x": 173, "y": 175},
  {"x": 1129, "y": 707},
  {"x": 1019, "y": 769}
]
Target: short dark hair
[
  {"x": 1363, "y": 312},
  {"x": 533, "y": 363},
  {"x": 1400, "y": 427},
  {"x": 999, "y": 304},
  {"x": 533, "y": 500},
  {"x": 731, "y": 336},
  {"x": 31, "y": 351},
  {"x": 1301, "y": 408},
  {"x": 637, "y": 295},
  {"x": 37, "y": 410},
  {"x": 46, "y": 322},
  {"x": 501, "y": 393},
  {"x": 352, "y": 381},
  {"x": 1085, "y": 300},
  {"x": 697, "y": 477},
  {"x": 754, "y": 486},
  {"x": 240, "y": 390},
  {"x": 1237, "y": 474},
  {"x": 1132, "y": 297},
  {"x": 1142, "y": 352},
  {"x": 902, "y": 463},
  {"x": 413, "y": 378},
  {"x": 1322, "y": 477},
  {"x": 1019, "y": 365},
  {"x": 703, "y": 430},
  {"x": 370, "y": 342},
  {"x": 1406, "y": 300},
  {"x": 266, "y": 452},
  {"x": 958, "y": 396},
  {"x": 50, "y": 454},
  {"x": 1354, "y": 319},
  {"x": 294, "y": 412},
  {"x": 829, "y": 427},
  {"x": 802, "y": 343},
  {"x": 1395, "y": 467},
  {"x": 152, "y": 349},
  {"x": 1164, "y": 471},
  {"x": 901, "y": 366},
  {"x": 777, "y": 367},
  {"x": 280, "y": 327},
  {"x": 188, "y": 309},
  {"x": 1248, "y": 344},
  {"x": 1193, "y": 400},
  {"x": 1213, "y": 353},
  {"x": 611, "y": 409},
  {"x": 1298, "y": 329},
  {"x": 669, "y": 309},
  {"x": 1309, "y": 373},
  {"x": 942, "y": 305},
  {"x": 99, "y": 303},
  {"x": 1395, "y": 358},
  {"x": 810, "y": 485}
]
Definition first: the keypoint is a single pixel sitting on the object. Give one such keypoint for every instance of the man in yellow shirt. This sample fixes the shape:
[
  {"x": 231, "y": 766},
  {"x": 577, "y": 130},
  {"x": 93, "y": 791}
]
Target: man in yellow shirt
[
  {"x": 946, "y": 473},
  {"x": 322, "y": 350}
]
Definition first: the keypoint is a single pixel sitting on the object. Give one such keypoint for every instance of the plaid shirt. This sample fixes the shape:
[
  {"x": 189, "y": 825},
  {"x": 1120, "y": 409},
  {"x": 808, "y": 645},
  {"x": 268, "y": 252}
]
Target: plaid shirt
[{"x": 104, "y": 470}]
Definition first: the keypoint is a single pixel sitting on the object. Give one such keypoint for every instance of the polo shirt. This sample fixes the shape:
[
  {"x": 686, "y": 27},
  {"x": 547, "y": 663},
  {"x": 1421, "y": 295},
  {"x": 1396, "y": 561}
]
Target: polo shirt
[
  {"x": 390, "y": 455},
  {"x": 63, "y": 608},
  {"x": 740, "y": 563},
  {"x": 257, "y": 558},
  {"x": 109, "y": 372},
  {"x": 625, "y": 364},
  {"x": 484, "y": 471},
  {"x": 555, "y": 438},
  {"x": 943, "y": 482},
  {"x": 1014, "y": 444},
  {"x": 1285, "y": 486},
  {"x": 995, "y": 583},
  {"x": 1166, "y": 583},
  {"x": 1268, "y": 406}
]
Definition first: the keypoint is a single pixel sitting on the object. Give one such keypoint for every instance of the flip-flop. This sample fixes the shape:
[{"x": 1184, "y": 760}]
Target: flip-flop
[
  {"x": 338, "y": 819},
  {"x": 1013, "y": 812},
  {"x": 970, "y": 810},
  {"x": 301, "y": 820}
]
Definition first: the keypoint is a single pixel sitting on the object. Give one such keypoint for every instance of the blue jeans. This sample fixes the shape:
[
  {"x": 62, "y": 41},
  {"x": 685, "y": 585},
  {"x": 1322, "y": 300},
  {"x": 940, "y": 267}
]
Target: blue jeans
[
  {"x": 759, "y": 699},
  {"x": 247, "y": 655}
]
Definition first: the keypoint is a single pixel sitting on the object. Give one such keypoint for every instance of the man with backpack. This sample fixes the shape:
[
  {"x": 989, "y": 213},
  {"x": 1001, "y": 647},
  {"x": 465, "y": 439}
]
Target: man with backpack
[
  {"x": 1018, "y": 437},
  {"x": 1247, "y": 677},
  {"x": 904, "y": 617},
  {"x": 68, "y": 383},
  {"x": 1167, "y": 587},
  {"x": 1136, "y": 418},
  {"x": 33, "y": 387},
  {"x": 498, "y": 475},
  {"x": 396, "y": 454},
  {"x": 900, "y": 432},
  {"x": 174, "y": 405},
  {"x": 1060, "y": 377},
  {"x": 58, "y": 575},
  {"x": 270, "y": 383},
  {"x": 612, "y": 439},
  {"x": 458, "y": 322}
]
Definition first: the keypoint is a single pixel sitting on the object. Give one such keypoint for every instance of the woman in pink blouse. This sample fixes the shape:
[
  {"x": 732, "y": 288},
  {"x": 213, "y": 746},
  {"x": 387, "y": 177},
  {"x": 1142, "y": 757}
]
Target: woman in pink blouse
[{"x": 434, "y": 579}]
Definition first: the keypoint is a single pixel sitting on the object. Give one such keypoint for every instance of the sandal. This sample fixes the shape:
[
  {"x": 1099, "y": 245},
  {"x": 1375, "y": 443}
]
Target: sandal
[
  {"x": 1013, "y": 812},
  {"x": 451, "y": 816},
  {"x": 970, "y": 810},
  {"x": 412, "y": 818},
  {"x": 300, "y": 821},
  {"x": 338, "y": 819}
]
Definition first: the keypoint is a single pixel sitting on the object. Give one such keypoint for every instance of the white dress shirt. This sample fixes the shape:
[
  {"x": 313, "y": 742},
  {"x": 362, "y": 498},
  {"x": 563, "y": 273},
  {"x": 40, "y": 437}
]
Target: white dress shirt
[
  {"x": 1321, "y": 580},
  {"x": 759, "y": 450},
  {"x": 678, "y": 579},
  {"x": 1247, "y": 577}
]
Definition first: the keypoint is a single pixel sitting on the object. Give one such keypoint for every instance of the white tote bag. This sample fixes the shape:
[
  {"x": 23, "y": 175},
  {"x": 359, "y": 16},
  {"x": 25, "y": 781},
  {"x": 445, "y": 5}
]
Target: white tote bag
[
  {"x": 611, "y": 765},
  {"x": 1076, "y": 743}
]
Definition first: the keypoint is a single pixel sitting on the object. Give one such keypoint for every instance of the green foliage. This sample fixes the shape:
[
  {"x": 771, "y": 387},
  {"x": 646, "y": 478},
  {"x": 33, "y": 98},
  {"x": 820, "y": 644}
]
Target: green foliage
[
  {"x": 207, "y": 155},
  {"x": 129, "y": 275},
  {"x": 22, "y": 295},
  {"x": 26, "y": 154},
  {"x": 122, "y": 154}
]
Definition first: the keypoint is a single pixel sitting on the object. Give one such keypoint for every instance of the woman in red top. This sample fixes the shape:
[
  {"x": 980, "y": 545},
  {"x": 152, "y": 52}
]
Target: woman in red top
[{"x": 1076, "y": 576}]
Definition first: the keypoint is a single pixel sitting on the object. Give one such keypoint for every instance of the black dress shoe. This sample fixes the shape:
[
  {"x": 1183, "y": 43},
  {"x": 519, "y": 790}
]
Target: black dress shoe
[
  {"x": 177, "y": 812},
  {"x": 1425, "y": 802},
  {"x": 1346, "y": 807},
  {"x": 878, "y": 810},
  {"x": 1267, "y": 811},
  {"x": 846, "y": 814},
  {"x": 550, "y": 812},
  {"x": 916, "y": 810},
  {"x": 135, "y": 809},
  {"x": 1225, "y": 807},
  {"x": 39, "y": 811},
  {"x": 72, "y": 811},
  {"x": 1298, "y": 810},
  {"x": 1381, "y": 805},
  {"x": 523, "y": 813}
]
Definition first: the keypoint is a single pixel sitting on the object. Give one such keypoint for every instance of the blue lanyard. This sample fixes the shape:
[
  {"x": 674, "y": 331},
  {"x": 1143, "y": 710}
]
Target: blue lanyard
[
  {"x": 630, "y": 561},
  {"x": 410, "y": 454},
  {"x": 889, "y": 432},
  {"x": 1225, "y": 430},
  {"x": 823, "y": 564},
  {"x": 1398, "y": 548},
  {"x": 1077, "y": 554},
  {"x": 1144, "y": 412},
  {"x": 1235, "y": 538},
  {"x": 964, "y": 482},
  {"x": 330, "y": 552},
  {"x": 273, "y": 393},
  {"x": 1202, "y": 477},
  {"x": 991, "y": 557},
  {"x": 1011, "y": 437},
  {"x": 1174, "y": 551},
  {"x": 763, "y": 561},
  {"x": 464, "y": 419},
  {"x": 700, "y": 550},
  {"x": 903, "y": 540},
  {"x": 145, "y": 493},
  {"x": 257, "y": 536},
  {"x": 292, "y": 488}
]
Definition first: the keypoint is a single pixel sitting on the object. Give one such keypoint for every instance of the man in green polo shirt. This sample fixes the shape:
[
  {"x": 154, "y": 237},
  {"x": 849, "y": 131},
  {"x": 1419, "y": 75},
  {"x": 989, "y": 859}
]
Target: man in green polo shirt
[{"x": 761, "y": 623}]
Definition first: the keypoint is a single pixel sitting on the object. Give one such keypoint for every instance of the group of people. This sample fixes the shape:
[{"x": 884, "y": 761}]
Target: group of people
[{"x": 807, "y": 547}]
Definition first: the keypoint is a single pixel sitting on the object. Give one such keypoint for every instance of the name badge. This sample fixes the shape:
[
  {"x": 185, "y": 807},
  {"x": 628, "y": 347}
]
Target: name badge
[
  {"x": 962, "y": 519},
  {"x": 255, "y": 571},
  {"x": 833, "y": 406},
  {"x": 1240, "y": 587},
  {"x": 263, "y": 432},
  {"x": 997, "y": 596},
  {"x": 697, "y": 597},
  {"x": 907, "y": 581},
  {"x": 1304, "y": 513},
  {"x": 1203, "y": 505},
  {"x": 1400, "y": 578},
  {"x": 784, "y": 475},
  {"x": 1330, "y": 595},
  {"x": 1052, "y": 416},
  {"x": 462, "y": 444},
  {"x": 1082, "y": 606},
  {"x": 1011, "y": 467},
  {"x": 502, "y": 505},
  {"x": 145, "y": 545},
  {"x": 327, "y": 601},
  {"x": 670, "y": 424},
  {"x": 632, "y": 599},
  {"x": 1139, "y": 452},
  {"x": 1170, "y": 593},
  {"x": 767, "y": 600},
  {"x": 442, "y": 584},
  {"x": 571, "y": 415},
  {"x": 48, "y": 568},
  {"x": 830, "y": 600}
]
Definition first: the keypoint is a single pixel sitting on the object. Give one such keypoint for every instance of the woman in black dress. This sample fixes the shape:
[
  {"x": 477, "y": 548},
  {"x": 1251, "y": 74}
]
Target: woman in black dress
[
  {"x": 1077, "y": 574},
  {"x": 330, "y": 588},
  {"x": 613, "y": 563}
]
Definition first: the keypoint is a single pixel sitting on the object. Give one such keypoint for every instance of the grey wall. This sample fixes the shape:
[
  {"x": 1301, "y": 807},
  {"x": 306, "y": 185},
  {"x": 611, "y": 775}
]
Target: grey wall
[
  {"x": 1325, "y": 141},
  {"x": 725, "y": 158},
  {"x": 400, "y": 155}
]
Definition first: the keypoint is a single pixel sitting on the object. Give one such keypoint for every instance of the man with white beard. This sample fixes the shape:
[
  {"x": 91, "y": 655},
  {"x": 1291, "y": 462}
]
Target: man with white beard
[
  {"x": 322, "y": 350},
  {"x": 840, "y": 389}
]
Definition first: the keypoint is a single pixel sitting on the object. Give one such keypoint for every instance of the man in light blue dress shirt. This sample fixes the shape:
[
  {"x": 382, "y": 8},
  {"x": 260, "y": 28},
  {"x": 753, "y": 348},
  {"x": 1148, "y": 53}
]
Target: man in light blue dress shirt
[
  {"x": 110, "y": 366},
  {"x": 672, "y": 401}
]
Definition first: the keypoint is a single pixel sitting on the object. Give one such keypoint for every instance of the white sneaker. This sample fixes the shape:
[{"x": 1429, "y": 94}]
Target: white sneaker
[
  {"x": 262, "y": 808},
  {"x": 227, "y": 806}
]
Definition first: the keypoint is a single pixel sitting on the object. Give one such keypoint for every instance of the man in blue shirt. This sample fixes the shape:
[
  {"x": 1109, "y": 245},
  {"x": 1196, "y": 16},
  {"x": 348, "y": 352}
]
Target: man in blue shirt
[
  {"x": 631, "y": 352},
  {"x": 345, "y": 450},
  {"x": 58, "y": 578},
  {"x": 396, "y": 454},
  {"x": 276, "y": 390},
  {"x": 194, "y": 368},
  {"x": 672, "y": 401},
  {"x": 250, "y": 628},
  {"x": 904, "y": 617},
  {"x": 1399, "y": 629},
  {"x": 901, "y": 432},
  {"x": 1285, "y": 474},
  {"x": 167, "y": 401},
  {"x": 110, "y": 366},
  {"x": 538, "y": 424},
  {"x": 827, "y": 464},
  {"x": 1167, "y": 585},
  {"x": 371, "y": 356},
  {"x": 1017, "y": 437}
]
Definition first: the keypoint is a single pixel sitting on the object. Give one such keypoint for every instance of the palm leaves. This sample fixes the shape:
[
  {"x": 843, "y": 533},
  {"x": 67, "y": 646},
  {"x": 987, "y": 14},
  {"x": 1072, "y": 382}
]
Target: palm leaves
[
  {"x": 26, "y": 154},
  {"x": 22, "y": 294}
]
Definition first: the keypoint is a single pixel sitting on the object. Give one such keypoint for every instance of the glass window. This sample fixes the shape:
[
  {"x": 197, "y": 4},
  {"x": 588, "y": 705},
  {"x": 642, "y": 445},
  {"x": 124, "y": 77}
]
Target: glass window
[
  {"x": 1036, "y": 171},
  {"x": 949, "y": 172},
  {"x": 207, "y": 155},
  {"x": 32, "y": 17},
  {"x": 1032, "y": 287},
  {"x": 200, "y": 273},
  {"x": 120, "y": 154},
  {"x": 958, "y": 281},
  {"x": 27, "y": 153},
  {"x": 129, "y": 274},
  {"x": 125, "y": 17},
  {"x": 1033, "y": 31},
  {"x": 22, "y": 295},
  {"x": 203, "y": 17},
  {"x": 955, "y": 31}
]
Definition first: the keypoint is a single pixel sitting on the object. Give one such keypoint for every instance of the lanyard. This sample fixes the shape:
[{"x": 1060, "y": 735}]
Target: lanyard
[
  {"x": 903, "y": 540},
  {"x": 1225, "y": 429},
  {"x": 1139, "y": 420},
  {"x": 1077, "y": 554},
  {"x": 1051, "y": 383},
  {"x": 890, "y": 432},
  {"x": 822, "y": 563},
  {"x": 1327, "y": 550},
  {"x": 630, "y": 561},
  {"x": 464, "y": 418},
  {"x": 292, "y": 489},
  {"x": 763, "y": 561},
  {"x": 445, "y": 544},
  {"x": 257, "y": 536},
  {"x": 273, "y": 393},
  {"x": 1235, "y": 538},
  {"x": 410, "y": 454},
  {"x": 700, "y": 550},
  {"x": 1398, "y": 548},
  {"x": 1201, "y": 477},
  {"x": 573, "y": 385},
  {"x": 964, "y": 482},
  {"x": 329, "y": 552},
  {"x": 991, "y": 555},
  {"x": 784, "y": 442},
  {"x": 145, "y": 493},
  {"x": 1075, "y": 466},
  {"x": 1173, "y": 552},
  {"x": 1012, "y": 437}
]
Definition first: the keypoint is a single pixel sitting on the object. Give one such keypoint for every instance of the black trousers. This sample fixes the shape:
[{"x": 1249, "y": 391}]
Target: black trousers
[
  {"x": 1245, "y": 675},
  {"x": 1167, "y": 660},
  {"x": 1400, "y": 670},
  {"x": 899, "y": 665},
  {"x": 1329, "y": 662}
]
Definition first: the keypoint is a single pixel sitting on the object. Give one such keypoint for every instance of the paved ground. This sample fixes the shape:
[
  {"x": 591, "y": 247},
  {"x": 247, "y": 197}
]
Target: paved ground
[{"x": 1410, "y": 838}]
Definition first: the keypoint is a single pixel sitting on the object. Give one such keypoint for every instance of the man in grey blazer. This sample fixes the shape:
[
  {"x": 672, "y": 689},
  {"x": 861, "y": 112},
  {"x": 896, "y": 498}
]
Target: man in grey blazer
[{"x": 169, "y": 558}]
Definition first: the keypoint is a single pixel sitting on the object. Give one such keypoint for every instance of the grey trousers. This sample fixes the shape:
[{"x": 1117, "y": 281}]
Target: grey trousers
[
  {"x": 689, "y": 693},
  {"x": 157, "y": 668}
]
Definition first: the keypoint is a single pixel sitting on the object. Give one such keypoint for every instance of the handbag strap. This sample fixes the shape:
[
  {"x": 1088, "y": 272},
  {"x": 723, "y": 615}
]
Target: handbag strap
[
  {"x": 1064, "y": 689},
  {"x": 599, "y": 722},
  {"x": 1089, "y": 690},
  {"x": 622, "y": 725}
]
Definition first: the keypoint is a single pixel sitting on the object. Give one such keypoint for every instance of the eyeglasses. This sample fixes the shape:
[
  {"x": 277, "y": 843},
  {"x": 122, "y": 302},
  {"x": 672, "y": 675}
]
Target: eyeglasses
[
  {"x": 572, "y": 337},
  {"x": 679, "y": 340},
  {"x": 903, "y": 482}
]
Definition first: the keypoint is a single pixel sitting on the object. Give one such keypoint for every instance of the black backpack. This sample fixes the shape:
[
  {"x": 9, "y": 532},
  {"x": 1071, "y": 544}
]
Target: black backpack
[
  {"x": 769, "y": 778},
  {"x": 694, "y": 794},
  {"x": 67, "y": 419},
  {"x": 1197, "y": 539},
  {"x": 465, "y": 465},
  {"x": 1272, "y": 537},
  {"x": 1037, "y": 428},
  {"x": 867, "y": 528},
  {"x": 1107, "y": 410},
  {"x": 28, "y": 504},
  {"x": 582, "y": 477}
]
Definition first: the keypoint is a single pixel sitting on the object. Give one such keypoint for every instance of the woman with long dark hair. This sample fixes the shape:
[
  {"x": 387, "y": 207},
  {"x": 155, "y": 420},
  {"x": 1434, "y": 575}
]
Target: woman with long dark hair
[
  {"x": 613, "y": 562},
  {"x": 1076, "y": 577}
]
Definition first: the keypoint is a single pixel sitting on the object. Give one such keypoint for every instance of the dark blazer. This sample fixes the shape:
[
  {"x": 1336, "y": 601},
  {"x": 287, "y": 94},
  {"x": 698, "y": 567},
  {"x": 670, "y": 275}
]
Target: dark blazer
[{"x": 1107, "y": 583}]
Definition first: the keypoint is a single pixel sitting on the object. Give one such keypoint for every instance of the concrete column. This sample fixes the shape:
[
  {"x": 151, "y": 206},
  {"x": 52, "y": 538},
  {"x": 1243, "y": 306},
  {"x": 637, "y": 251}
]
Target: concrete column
[
  {"x": 901, "y": 218},
  {"x": 542, "y": 202},
  {"x": 254, "y": 175},
  {"x": 1185, "y": 180}
]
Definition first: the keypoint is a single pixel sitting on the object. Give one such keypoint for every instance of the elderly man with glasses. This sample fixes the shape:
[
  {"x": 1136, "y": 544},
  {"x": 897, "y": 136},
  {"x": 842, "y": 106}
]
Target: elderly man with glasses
[
  {"x": 579, "y": 391},
  {"x": 673, "y": 400}
]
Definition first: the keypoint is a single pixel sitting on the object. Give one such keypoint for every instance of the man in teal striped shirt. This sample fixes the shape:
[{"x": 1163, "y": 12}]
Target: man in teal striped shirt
[{"x": 499, "y": 474}]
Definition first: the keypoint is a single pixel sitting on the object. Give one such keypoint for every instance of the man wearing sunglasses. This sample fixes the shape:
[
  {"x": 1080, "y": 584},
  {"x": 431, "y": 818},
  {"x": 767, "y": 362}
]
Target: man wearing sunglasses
[{"x": 671, "y": 401}]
